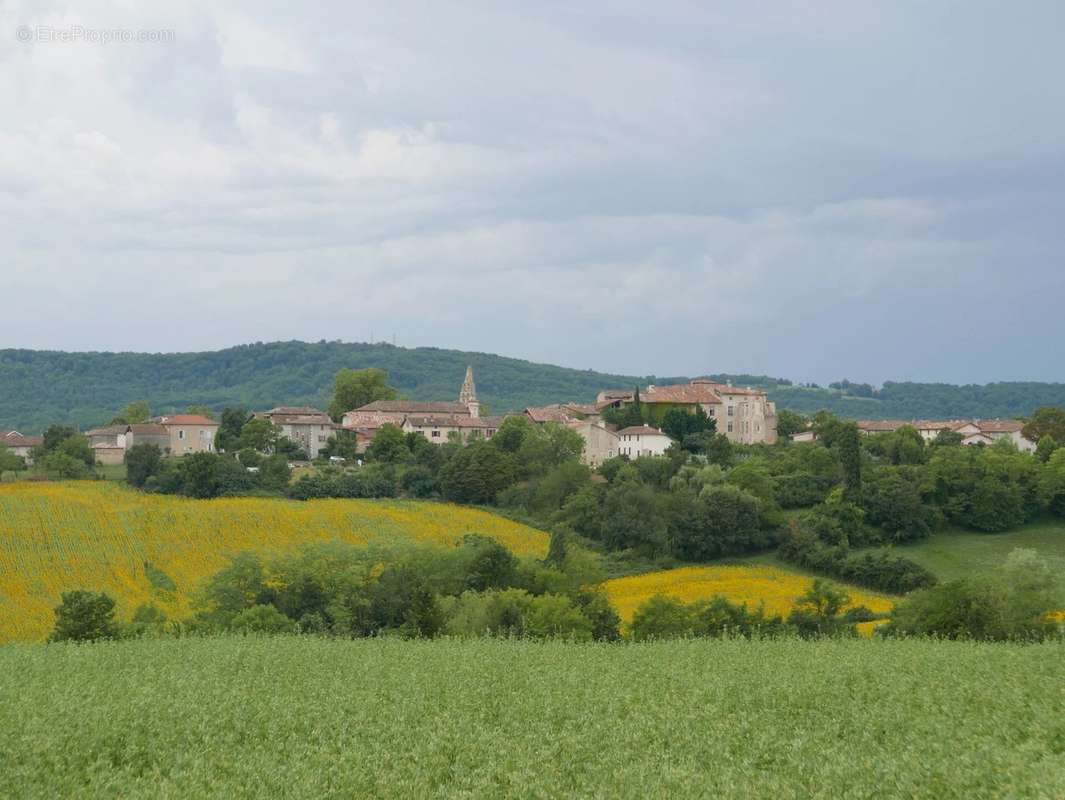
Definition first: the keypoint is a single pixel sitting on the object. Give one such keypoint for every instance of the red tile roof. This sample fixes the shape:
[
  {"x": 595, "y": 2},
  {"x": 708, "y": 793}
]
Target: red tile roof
[{"x": 415, "y": 407}]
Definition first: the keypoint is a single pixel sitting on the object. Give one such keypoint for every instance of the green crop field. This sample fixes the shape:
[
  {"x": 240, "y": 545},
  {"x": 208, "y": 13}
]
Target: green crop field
[
  {"x": 956, "y": 554},
  {"x": 320, "y": 718}
]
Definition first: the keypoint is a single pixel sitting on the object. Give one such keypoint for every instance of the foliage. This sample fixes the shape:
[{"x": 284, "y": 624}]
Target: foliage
[
  {"x": 9, "y": 462},
  {"x": 132, "y": 413},
  {"x": 477, "y": 473},
  {"x": 1014, "y": 604},
  {"x": 790, "y": 423},
  {"x": 354, "y": 388},
  {"x": 1046, "y": 421},
  {"x": 143, "y": 461},
  {"x": 893, "y": 502},
  {"x": 260, "y": 435},
  {"x": 679, "y": 423},
  {"x": 84, "y": 616}
]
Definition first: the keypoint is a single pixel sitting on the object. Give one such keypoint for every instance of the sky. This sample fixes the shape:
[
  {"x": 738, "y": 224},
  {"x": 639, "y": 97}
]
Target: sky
[{"x": 812, "y": 190}]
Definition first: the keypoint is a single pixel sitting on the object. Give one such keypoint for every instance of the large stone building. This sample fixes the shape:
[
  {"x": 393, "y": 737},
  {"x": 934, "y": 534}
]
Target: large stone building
[
  {"x": 743, "y": 414},
  {"x": 310, "y": 428}
]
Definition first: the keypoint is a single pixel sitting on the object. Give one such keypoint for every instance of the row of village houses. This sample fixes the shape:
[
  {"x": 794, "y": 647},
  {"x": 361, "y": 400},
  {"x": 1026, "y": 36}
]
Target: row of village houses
[{"x": 744, "y": 415}]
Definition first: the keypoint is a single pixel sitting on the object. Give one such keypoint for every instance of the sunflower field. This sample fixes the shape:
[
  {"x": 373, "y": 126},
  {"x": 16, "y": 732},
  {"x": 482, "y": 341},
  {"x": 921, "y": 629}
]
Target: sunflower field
[
  {"x": 777, "y": 588},
  {"x": 139, "y": 547}
]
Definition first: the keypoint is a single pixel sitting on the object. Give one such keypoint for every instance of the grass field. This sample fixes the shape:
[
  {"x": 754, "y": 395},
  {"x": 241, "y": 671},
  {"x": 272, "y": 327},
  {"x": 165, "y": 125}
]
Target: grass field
[
  {"x": 319, "y": 718},
  {"x": 777, "y": 587},
  {"x": 98, "y": 535},
  {"x": 956, "y": 554}
]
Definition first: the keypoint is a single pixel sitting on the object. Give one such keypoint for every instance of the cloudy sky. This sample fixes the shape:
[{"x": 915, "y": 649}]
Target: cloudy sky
[{"x": 808, "y": 189}]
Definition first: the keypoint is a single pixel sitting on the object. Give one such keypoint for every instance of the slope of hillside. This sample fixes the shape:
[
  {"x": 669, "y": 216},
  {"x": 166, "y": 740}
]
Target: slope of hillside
[
  {"x": 104, "y": 537},
  {"x": 38, "y": 388}
]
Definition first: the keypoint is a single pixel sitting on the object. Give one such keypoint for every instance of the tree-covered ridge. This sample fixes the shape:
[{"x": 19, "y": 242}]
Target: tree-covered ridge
[{"x": 38, "y": 388}]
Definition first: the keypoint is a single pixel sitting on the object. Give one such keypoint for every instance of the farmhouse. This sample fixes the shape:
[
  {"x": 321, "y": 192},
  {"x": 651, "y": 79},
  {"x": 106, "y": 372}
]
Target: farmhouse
[
  {"x": 189, "y": 433},
  {"x": 308, "y": 427}
]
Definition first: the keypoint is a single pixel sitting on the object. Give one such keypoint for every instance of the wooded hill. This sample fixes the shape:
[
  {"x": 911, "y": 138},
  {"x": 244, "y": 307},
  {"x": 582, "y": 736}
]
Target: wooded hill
[{"x": 41, "y": 387}]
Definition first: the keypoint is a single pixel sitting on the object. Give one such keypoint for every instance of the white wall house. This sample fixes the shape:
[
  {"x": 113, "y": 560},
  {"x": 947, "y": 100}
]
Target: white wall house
[{"x": 642, "y": 440}]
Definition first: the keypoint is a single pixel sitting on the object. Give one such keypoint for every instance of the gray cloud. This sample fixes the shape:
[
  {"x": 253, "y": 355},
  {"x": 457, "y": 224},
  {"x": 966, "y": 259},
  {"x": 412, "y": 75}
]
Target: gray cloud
[{"x": 811, "y": 190}]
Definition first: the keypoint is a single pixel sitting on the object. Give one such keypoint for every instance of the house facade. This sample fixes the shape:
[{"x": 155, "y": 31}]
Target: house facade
[
  {"x": 600, "y": 443},
  {"x": 439, "y": 429},
  {"x": 189, "y": 433},
  {"x": 642, "y": 440},
  {"x": 310, "y": 428},
  {"x": 743, "y": 414}
]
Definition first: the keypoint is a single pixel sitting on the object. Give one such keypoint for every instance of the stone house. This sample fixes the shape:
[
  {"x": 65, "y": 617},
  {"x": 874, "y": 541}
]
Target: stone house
[
  {"x": 189, "y": 433},
  {"x": 439, "y": 429},
  {"x": 310, "y": 428},
  {"x": 600, "y": 443}
]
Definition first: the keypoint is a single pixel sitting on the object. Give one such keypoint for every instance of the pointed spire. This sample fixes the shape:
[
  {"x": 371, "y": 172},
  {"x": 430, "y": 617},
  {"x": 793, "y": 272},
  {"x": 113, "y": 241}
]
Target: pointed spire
[{"x": 468, "y": 394}]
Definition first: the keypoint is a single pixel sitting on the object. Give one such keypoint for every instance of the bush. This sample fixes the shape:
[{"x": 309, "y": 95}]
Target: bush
[
  {"x": 84, "y": 616},
  {"x": 262, "y": 619}
]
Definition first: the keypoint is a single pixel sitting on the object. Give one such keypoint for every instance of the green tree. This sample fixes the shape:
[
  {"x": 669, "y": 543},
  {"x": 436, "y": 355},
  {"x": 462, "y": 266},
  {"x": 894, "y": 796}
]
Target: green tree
[
  {"x": 133, "y": 413},
  {"x": 661, "y": 617},
  {"x": 262, "y": 619},
  {"x": 513, "y": 432},
  {"x": 389, "y": 446},
  {"x": 477, "y": 473},
  {"x": 9, "y": 462},
  {"x": 260, "y": 435},
  {"x": 850, "y": 458},
  {"x": 819, "y": 611},
  {"x": 547, "y": 446},
  {"x": 228, "y": 436},
  {"x": 1045, "y": 448},
  {"x": 354, "y": 388},
  {"x": 680, "y": 423},
  {"x": 143, "y": 461},
  {"x": 84, "y": 616},
  {"x": 894, "y": 504},
  {"x": 1046, "y": 421},
  {"x": 790, "y": 422}
]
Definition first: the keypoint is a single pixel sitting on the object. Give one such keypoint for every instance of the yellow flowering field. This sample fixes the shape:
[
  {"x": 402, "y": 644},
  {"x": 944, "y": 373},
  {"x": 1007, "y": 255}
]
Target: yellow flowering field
[
  {"x": 754, "y": 584},
  {"x": 95, "y": 535}
]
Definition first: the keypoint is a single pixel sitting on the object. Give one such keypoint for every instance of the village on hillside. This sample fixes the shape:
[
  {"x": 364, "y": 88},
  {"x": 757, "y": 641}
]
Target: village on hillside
[{"x": 744, "y": 415}]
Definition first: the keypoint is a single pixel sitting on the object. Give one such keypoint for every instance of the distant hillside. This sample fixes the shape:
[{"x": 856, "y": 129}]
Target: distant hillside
[{"x": 41, "y": 387}]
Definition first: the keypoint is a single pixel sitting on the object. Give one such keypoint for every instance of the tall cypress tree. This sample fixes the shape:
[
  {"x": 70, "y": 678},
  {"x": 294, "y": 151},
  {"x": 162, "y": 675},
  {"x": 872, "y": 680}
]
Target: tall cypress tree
[{"x": 850, "y": 458}]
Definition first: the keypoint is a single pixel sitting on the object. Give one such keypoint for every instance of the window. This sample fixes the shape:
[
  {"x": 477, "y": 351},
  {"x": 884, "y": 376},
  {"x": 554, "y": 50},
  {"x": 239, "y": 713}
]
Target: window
[
  {"x": 436, "y": 434},
  {"x": 730, "y": 427},
  {"x": 181, "y": 434},
  {"x": 731, "y": 412}
]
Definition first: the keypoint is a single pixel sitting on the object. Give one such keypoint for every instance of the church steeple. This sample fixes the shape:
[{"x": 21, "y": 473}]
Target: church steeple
[{"x": 468, "y": 394}]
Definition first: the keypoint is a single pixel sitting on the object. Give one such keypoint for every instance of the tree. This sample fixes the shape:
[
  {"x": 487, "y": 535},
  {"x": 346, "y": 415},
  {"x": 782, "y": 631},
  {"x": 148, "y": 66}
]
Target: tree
[
  {"x": 1052, "y": 483},
  {"x": 133, "y": 413},
  {"x": 679, "y": 423},
  {"x": 512, "y": 433},
  {"x": 661, "y": 617},
  {"x": 354, "y": 388},
  {"x": 817, "y": 613},
  {"x": 477, "y": 473},
  {"x": 1046, "y": 421},
  {"x": 143, "y": 461},
  {"x": 260, "y": 435},
  {"x": 895, "y": 505},
  {"x": 228, "y": 436},
  {"x": 547, "y": 446},
  {"x": 1046, "y": 447},
  {"x": 389, "y": 446},
  {"x": 9, "y": 462},
  {"x": 789, "y": 422},
  {"x": 850, "y": 457},
  {"x": 84, "y": 616}
]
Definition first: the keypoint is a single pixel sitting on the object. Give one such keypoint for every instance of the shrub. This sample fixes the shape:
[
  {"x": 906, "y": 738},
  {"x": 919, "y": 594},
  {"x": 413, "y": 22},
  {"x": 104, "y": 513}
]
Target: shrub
[{"x": 84, "y": 616}]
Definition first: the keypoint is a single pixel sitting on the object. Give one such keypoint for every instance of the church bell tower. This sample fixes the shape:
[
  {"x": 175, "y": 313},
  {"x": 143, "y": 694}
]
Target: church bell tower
[{"x": 468, "y": 394}]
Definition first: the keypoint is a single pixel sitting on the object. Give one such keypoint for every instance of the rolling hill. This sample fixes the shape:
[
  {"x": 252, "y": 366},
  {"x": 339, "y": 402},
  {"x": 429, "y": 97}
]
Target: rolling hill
[{"x": 38, "y": 388}]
